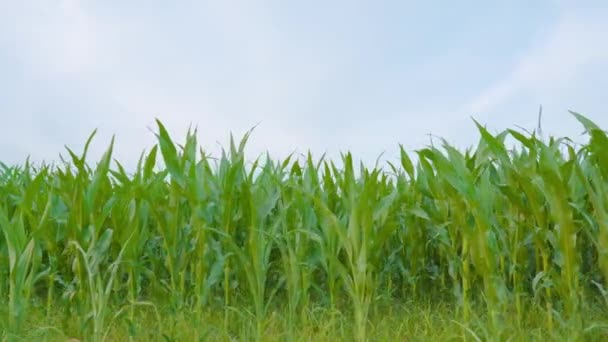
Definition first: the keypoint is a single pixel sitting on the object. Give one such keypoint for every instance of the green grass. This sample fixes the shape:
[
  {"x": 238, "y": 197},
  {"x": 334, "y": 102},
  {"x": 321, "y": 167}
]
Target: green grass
[
  {"x": 491, "y": 243},
  {"x": 409, "y": 321}
]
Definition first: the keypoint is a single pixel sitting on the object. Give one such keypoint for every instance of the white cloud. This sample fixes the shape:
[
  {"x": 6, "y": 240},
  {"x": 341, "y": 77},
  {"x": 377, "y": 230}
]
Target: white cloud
[
  {"x": 251, "y": 70},
  {"x": 576, "y": 43},
  {"x": 64, "y": 43},
  {"x": 55, "y": 37}
]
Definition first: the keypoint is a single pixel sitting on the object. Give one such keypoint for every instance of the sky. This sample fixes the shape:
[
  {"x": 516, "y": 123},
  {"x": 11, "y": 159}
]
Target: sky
[{"x": 324, "y": 76}]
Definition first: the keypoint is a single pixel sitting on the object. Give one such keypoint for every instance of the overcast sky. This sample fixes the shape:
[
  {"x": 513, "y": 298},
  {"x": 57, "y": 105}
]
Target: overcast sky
[{"x": 327, "y": 76}]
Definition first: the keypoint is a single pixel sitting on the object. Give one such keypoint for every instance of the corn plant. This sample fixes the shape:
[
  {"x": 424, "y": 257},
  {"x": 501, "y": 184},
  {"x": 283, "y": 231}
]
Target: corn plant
[{"x": 516, "y": 223}]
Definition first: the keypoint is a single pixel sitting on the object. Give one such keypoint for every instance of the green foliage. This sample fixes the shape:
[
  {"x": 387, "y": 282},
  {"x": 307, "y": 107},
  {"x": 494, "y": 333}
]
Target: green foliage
[{"x": 495, "y": 231}]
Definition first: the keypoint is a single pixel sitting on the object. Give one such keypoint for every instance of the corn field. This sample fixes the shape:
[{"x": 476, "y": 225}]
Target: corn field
[{"x": 516, "y": 224}]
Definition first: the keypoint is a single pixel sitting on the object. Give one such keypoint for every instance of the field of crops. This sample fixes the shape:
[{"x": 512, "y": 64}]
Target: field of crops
[{"x": 505, "y": 240}]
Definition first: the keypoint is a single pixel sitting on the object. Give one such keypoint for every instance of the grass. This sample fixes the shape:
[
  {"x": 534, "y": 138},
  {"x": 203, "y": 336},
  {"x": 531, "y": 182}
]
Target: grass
[
  {"x": 491, "y": 243},
  {"x": 409, "y": 321}
]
